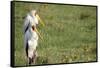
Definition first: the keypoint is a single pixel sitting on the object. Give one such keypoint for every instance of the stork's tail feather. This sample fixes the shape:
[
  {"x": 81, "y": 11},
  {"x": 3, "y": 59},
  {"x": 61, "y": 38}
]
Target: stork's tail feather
[{"x": 27, "y": 49}]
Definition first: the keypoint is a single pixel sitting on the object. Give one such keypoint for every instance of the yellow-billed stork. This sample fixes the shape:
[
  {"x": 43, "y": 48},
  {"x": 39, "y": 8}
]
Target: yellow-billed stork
[{"x": 31, "y": 35}]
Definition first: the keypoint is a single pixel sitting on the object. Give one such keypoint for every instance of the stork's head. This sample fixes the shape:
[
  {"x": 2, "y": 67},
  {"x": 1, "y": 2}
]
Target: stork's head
[
  {"x": 33, "y": 12},
  {"x": 36, "y": 17}
]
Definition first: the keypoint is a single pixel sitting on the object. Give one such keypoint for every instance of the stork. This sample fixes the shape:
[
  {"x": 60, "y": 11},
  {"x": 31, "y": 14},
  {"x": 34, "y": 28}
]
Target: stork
[{"x": 31, "y": 35}]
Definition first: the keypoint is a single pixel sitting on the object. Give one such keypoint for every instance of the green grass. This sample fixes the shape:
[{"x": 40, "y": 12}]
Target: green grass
[{"x": 69, "y": 34}]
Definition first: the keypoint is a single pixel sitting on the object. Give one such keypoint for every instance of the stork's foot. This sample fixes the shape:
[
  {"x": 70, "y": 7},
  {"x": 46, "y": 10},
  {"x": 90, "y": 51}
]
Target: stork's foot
[
  {"x": 30, "y": 61},
  {"x": 34, "y": 58}
]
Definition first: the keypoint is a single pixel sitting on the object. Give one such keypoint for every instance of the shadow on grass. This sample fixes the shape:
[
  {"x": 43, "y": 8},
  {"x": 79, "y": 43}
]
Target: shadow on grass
[{"x": 42, "y": 60}]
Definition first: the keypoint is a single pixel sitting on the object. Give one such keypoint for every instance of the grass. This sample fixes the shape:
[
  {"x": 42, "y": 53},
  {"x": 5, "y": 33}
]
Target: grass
[{"x": 69, "y": 34}]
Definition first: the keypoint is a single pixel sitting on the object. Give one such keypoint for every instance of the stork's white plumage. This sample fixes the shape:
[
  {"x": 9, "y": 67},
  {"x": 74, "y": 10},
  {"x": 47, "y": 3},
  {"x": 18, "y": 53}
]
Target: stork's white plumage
[{"x": 30, "y": 35}]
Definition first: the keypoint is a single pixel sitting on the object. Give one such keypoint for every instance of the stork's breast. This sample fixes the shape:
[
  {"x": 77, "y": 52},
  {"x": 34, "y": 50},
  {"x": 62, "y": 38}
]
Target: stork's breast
[
  {"x": 34, "y": 36},
  {"x": 32, "y": 44}
]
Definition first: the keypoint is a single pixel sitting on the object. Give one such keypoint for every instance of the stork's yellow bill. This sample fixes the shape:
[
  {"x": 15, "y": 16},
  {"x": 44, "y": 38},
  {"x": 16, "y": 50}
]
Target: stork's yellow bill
[
  {"x": 40, "y": 19},
  {"x": 39, "y": 33}
]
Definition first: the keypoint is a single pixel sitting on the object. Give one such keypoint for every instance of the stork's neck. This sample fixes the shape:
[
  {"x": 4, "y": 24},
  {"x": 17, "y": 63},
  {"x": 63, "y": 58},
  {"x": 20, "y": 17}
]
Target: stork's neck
[{"x": 32, "y": 29}]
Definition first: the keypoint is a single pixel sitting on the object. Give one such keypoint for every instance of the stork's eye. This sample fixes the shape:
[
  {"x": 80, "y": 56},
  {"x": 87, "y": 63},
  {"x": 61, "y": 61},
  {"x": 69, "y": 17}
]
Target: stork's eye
[{"x": 35, "y": 14}]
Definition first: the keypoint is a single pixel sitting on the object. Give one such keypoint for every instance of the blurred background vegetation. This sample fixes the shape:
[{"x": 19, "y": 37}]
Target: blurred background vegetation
[{"x": 69, "y": 34}]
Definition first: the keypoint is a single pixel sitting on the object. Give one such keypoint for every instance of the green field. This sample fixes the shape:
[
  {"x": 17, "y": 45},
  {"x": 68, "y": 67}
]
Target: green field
[{"x": 69, "y": 33}]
